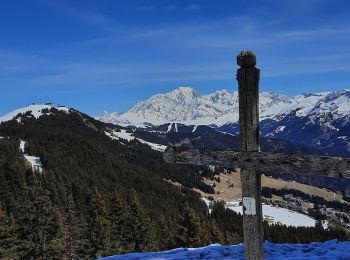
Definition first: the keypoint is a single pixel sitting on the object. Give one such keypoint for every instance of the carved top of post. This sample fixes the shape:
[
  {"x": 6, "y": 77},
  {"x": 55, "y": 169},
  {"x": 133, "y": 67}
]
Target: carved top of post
[{"x": 246, "y": 59}]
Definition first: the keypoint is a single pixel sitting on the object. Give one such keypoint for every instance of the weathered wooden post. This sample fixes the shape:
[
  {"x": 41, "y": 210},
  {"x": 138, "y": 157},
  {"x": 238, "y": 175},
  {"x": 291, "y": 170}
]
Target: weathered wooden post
[{"x": 248, "y": 82}]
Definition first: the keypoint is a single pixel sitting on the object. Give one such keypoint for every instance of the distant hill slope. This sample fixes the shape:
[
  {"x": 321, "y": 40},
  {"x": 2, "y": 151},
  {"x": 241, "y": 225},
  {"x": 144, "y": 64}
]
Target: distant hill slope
[{"x": 90, "y": 183}]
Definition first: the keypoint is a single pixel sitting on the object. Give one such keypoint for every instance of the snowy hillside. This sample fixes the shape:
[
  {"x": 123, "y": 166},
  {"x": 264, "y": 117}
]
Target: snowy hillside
[
  {"x": 34, "y": 161},
  {"x": 35, "y": 110},
  {"x": 327, "y": 250},
  {"x": 186, "y": 105}
]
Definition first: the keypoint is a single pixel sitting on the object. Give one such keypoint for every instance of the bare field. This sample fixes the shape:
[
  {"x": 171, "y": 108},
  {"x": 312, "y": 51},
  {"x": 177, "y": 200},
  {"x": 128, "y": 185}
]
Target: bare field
[{"x": 229, "y": 187}]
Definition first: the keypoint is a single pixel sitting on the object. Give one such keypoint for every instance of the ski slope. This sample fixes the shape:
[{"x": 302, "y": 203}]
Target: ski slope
[{"x": 126, "y": 135}]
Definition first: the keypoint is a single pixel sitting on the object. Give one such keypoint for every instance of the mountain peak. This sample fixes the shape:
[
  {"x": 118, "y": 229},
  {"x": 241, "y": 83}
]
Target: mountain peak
[{"x": 184, "y": 92}]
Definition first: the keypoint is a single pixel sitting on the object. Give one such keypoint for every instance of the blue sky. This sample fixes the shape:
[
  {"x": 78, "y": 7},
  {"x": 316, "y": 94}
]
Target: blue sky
[{"x": 107, "y": 54}]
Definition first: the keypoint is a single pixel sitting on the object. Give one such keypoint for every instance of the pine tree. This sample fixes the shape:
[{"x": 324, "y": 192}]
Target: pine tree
[
  {"x": 136, "y": 231},
  {"x": 98, "y": 224},
  {"x": 192, "y": 223},
  {"x": 213, "y": 234},
  {"x": 188, "y": 230},
  {"x": 164, "y": 235},
  {"x": 74, "y": 232},
  {"x": 8, "y": 239},
  {"x": 116, "y": 217},
  {"x": 180, "y": 238},
  {"x": 38, "y": 225}
]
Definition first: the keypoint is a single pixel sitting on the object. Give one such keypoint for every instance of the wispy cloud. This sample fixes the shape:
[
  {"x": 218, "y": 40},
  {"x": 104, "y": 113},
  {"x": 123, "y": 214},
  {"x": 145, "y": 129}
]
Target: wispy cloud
[{"x": 86, "y": 15}]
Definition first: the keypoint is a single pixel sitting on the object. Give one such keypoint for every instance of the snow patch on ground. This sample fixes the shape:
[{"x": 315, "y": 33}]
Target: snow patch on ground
[
  {"x": 123, "y": 134},
  {"x": 157, "y": 147},
  {"x": 36, "y": 111},
  {"x": 22, "y": 145},
  {"x": 277, "y": 215},
  {"x": 274, "y": 215},
  {"x": 34, "y": 161},
  {"x": 327, "y": 250}
]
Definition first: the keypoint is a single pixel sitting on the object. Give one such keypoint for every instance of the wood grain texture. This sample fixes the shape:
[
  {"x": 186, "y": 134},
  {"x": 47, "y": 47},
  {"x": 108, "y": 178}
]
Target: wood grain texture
[
  {"x": 248, "y": 92},
  {"x": 248, "y": 79},
  {"x": 261, "y": 161},
  {"x": 253, "y": 224}
]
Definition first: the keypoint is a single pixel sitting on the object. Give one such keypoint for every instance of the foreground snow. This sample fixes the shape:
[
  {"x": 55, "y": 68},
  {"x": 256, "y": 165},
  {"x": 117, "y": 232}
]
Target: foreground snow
[{"x": 327, "y": 250}]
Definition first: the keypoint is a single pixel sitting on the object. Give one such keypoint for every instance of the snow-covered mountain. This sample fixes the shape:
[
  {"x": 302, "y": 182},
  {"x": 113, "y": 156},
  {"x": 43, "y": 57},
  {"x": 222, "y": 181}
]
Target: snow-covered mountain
[
  {"x": 187, "y": 106},
  {"x": 31, "y": 111},
  {"x": 320, "y": 120},
  {"x": 36, "y": 111}
]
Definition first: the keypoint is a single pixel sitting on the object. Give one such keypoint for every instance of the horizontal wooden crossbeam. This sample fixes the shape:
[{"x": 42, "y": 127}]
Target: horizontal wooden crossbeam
[{"x": 261, "y": 161}]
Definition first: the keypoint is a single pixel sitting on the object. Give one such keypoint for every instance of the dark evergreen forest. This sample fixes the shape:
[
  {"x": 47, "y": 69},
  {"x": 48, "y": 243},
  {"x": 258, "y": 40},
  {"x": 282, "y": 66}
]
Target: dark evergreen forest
[{"x": 99, "y": 197}]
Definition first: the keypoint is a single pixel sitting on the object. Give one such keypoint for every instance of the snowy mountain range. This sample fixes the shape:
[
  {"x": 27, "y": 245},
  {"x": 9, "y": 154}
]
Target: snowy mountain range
[
  {"x": 320, "y": 120},
  {"x": 187, "y": 106}
]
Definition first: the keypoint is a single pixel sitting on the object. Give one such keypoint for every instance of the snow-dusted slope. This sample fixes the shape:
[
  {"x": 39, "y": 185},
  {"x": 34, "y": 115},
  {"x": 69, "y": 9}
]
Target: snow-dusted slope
[
  {"x": 186, "y": 105},
  {"x": 34, "y": 161},
  {"x": 36, "y": 111},
  {"x": 327, "y": 250},
  {"x": 129, "y": 136}
]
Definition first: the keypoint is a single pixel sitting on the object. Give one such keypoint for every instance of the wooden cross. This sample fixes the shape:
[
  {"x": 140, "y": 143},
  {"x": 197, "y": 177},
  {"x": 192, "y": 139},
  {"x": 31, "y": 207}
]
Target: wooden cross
[{"x": 251, "y": 161}]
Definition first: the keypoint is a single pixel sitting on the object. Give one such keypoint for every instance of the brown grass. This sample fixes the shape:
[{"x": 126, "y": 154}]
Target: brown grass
[{"x": 227, "y": 192}]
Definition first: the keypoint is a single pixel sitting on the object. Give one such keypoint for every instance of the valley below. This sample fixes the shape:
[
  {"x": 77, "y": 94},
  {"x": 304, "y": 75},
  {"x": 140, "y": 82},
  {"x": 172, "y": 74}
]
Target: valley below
[{"x": 286, "y": 208}]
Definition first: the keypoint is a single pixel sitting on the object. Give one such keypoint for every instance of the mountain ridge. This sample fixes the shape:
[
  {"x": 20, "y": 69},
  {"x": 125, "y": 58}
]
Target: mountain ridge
[{"x": 187, "y": 106}]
